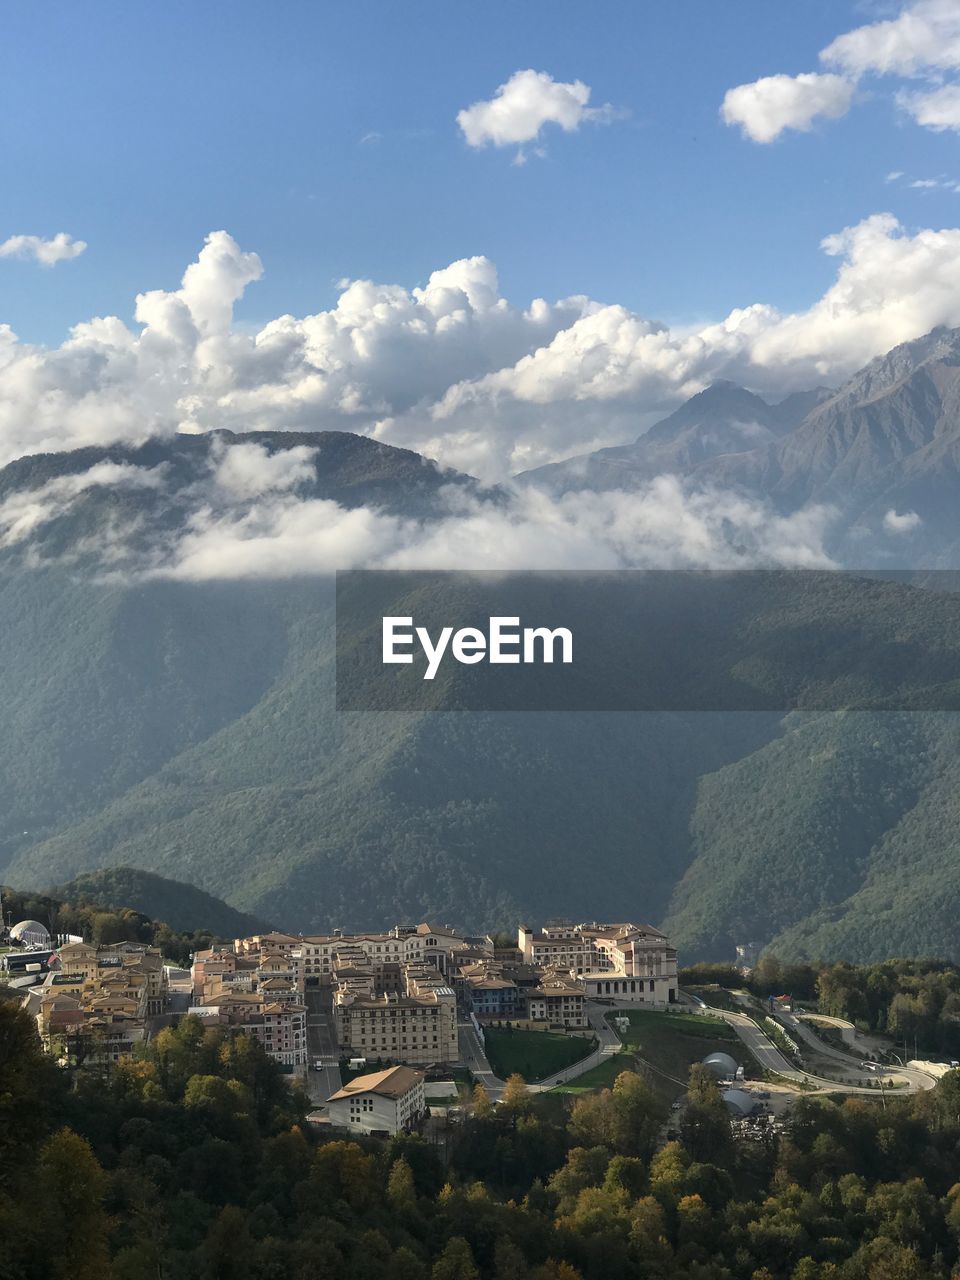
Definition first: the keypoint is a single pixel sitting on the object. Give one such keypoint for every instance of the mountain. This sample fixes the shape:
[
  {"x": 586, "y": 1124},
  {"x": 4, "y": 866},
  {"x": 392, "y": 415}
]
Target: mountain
[
  {"x": 188, "y": 731},
  {"x": 723, "y": 419},
  {"x": 182, "y": 906},
  {"x": 884, "y": 445}
]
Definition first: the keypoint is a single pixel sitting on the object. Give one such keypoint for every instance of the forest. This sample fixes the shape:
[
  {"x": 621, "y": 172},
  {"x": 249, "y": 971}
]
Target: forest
[
  {"x": 102, "y": 925},
  {"x": 195, "y": 1162}
]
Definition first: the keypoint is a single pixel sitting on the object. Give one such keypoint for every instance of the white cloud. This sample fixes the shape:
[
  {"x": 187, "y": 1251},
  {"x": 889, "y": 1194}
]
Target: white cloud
[
  {"x": 938, "y": 110},
  {"x": 24, "y": 511},
  {"x": 521, "y": 108},
  {"x": 765, "y": 108},
  {"x": 451, "y": 368},
  {"x": 250, "y": 470},
  {"x": 908, "y": 522},
  {"x": 925, "y": 36},
  {"x": 47, "y": 252},
  {"x": 922, "y": 42}
]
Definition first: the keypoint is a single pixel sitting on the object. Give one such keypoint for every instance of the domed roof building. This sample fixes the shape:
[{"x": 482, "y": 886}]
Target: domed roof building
[
  {"x": 31, "y": 933},
  {"x": 738, "y": 1101},
  {"x": 721, "y": 1065}
]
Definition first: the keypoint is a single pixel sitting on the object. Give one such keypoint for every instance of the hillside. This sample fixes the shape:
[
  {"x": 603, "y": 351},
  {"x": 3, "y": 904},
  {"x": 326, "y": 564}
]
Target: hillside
[
  {"x": 188, "y": 731},
  {"x": 724, "y": 419},
  {"x": 887, "y": 441},
  {"x": 183, "y": 907}
]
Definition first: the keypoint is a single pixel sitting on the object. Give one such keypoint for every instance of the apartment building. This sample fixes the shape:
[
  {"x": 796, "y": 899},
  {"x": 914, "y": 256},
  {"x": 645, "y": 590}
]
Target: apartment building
[
  {"x": 628, "y": 962},
  {"x": 95, "y": 1005},
  {"x": 417, "y": 1024},
  {"x": 559, "y": 1001},
  {"x": 384, "y": 1102},
  {"x": 321, "y": 954},
  {"x": 257, "y": 991}
]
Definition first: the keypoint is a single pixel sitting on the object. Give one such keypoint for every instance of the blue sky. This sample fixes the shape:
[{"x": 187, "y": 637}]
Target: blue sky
[{"x": 140, "y": 128}]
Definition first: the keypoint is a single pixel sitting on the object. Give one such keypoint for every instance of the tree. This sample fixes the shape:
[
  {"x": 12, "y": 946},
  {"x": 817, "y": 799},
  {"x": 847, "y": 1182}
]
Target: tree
[
  {"x": 516, "y": 1095},
  {"x": 456, "y": 1262},
  {"x": 482, "y": 1106},
  {"x": 30, "y": 1087},
  {"x": 401, "y": 1192},
  {"x": 69, "y": 1196}
]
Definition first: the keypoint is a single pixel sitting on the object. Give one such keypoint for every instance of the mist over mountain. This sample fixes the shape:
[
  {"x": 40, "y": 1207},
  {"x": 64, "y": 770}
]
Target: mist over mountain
[
  {"x": 721, "y": 420},
  {"x": 166, "y": 617},
  {"x": 882, "y": 452}
]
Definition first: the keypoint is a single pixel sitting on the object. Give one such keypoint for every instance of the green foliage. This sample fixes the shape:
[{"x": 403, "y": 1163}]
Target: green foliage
[{"x": 76, "y": 912}]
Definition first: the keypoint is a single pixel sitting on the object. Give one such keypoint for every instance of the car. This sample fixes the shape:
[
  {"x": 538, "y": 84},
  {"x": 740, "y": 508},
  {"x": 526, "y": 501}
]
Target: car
[{"x": 675, "y": 1106}]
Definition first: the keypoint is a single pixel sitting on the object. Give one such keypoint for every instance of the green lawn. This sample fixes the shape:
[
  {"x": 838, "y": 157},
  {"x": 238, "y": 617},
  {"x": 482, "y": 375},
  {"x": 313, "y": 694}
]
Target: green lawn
[
  {"x": 534, "y": 1054},
  {"x": 601, "y": 1077},
  {"x": 670, "y": 1043}
]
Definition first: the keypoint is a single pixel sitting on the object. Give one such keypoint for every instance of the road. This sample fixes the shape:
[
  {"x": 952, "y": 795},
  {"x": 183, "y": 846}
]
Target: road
[
  {"x": 916, "y": 1079},
  {"x": 322, "y": 1044},
  {"x": 475, "y": 1060},
  {"x": 771, "y": 1059}
]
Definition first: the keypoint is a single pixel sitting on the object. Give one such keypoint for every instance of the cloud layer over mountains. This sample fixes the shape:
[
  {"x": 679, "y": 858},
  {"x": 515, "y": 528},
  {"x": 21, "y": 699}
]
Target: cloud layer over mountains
[
  {"x": 452, "y": 369},
  {"x": 246, "y": 515}
]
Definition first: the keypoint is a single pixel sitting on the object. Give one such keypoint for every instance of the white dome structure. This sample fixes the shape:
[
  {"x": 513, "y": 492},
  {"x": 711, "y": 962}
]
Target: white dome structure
[
  {"x": 31, "y": 933},
  {"x": 721, "y": 1065},
  {"x": 738, "y": 1101}
]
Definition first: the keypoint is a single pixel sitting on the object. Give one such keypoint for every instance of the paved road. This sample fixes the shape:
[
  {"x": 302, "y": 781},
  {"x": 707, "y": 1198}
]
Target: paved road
[
  {"x": 322, "y": 1044},
  {"x": 917, "y": 1080},
  {"x": 474, "y": 1058},
  {"x": 771, "y": 1059}
]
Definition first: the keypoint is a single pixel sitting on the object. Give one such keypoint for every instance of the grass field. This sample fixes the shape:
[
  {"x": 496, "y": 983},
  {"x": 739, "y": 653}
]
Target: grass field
[
  {"x": 534, "y": 1054},
  {"x": 670, "y": 1043}
]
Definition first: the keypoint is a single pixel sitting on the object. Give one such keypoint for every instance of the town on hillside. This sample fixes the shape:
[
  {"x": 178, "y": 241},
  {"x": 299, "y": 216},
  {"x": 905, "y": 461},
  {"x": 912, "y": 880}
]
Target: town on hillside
[{"x": 383, "y": 1029}]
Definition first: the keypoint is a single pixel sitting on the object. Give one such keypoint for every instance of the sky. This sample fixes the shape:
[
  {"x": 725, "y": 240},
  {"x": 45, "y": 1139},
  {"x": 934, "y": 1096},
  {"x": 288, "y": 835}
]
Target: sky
[
  {"x": 324, "y": 137},
  {"x": 501, "y": 234}
]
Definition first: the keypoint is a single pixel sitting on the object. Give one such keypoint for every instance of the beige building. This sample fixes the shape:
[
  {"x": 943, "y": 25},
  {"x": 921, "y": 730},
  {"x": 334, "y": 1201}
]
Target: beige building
[
  {"x": 417, "y": 1024},
  {"x": 385, "y": 1102},
  {"x": 95, "y": 1007},
  {"x": 258, "y": 992},
  {"x": 403, "y": 944},
  {"x": 558, "y": 1001},
  {"x": 627, "y": 962}
]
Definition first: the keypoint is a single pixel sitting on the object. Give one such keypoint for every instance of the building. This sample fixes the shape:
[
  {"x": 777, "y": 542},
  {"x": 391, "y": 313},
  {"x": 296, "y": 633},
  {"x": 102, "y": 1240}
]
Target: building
[
  {"x": 94, "y": 1007},
  {"x": 559, "y": 1001},
  {"x": 389, "y": 1101},
  {"x": 257, "y": 990},
  {"x": 629, "y": 962},
  {"x": 30, "y": 933},
  {"x": 438, "y": 945},
  {"x": 418, "y": 1025}
]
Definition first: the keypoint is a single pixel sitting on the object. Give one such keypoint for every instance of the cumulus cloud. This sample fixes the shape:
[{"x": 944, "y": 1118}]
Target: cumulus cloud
[
  {"x": 529, "y": 100},
  {"x": 922, "y": 42},
  {"x": 897, "y": 523},
  {"x": 663, "y": 526},
  {"x": 47, "y": 252},
  {"x": 924, "y": 37},
  {"x": 938, "y": 109},
  {"x": 249, "y": 470},
  {"x": 765, "y": 108},
  {"x": 451, "y": 368}
]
